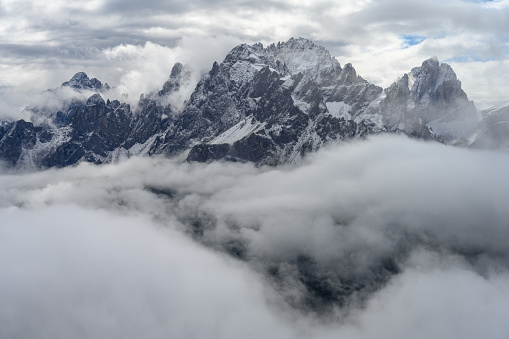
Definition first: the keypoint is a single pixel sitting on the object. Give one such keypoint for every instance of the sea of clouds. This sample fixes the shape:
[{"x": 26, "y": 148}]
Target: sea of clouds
[{"x": 387, "y": 237}]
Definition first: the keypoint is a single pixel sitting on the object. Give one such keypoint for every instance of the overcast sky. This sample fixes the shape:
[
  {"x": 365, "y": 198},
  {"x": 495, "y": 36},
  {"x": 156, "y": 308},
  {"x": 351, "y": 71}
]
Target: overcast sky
[{"x": 134, "y": 43}]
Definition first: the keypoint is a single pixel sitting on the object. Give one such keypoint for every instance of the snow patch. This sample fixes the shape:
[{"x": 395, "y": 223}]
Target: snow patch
[
  {"x": 239, "y": 131},
  {"x": 143, "y": 149},
  {"x": 339, "y": 109},
  {"x": 242, "y": 72},
  {"x": 31, "y": 156},
  {"x": 445, "y": 74},
  {"x": 303, "y": 106}
]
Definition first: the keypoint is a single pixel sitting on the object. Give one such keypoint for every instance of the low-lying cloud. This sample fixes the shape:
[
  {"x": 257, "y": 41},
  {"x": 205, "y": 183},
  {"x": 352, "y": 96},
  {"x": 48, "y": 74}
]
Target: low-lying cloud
[{"x": 383, "y": 238}]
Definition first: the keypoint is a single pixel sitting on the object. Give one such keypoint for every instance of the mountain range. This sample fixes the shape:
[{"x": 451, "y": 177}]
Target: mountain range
[{"x": 267, "y": 105}]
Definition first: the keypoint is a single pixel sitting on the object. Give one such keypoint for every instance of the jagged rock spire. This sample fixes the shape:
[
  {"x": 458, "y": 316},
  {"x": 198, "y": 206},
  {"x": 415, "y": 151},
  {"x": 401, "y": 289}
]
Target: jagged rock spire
[{"x": 81, "y": 81}]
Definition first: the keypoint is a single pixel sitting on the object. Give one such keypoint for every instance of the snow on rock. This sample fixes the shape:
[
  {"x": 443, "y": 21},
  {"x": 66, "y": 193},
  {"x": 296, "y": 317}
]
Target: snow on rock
[
  {"x": 31, "y": 156},
  {"x": 339, "y": 110},
  {"x": 266, "y": 105},
  {"x": 81, "y": 81},
  {"x": 118, "y": 155},
  {"x": 303, "y": 56},
  {"x": 143, "y": 149},
  {"x": 237, "y": 132},
  {"x": 95, "y": 99}
]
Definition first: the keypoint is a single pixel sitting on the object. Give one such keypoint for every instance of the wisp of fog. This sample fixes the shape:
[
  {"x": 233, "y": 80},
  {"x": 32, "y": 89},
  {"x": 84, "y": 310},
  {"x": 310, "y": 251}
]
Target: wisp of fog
[{"x": 387, "y": 237}]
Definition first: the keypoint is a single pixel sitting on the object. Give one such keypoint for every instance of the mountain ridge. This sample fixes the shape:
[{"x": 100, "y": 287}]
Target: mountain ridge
[{"x": 268, "y": 105}]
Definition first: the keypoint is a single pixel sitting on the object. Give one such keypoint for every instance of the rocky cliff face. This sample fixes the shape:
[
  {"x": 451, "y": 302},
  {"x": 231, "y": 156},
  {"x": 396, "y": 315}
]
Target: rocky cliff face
[
  {"x": 430, "y": 94},
  {"x": 440, "y": 102},
  {"x": 80, "y": 82},
  {"x": 268, "y": 105}
]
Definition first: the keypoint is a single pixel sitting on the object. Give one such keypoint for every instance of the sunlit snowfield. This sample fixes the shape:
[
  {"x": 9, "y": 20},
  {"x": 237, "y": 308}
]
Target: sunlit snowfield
[{"x": 412, "y": 238}]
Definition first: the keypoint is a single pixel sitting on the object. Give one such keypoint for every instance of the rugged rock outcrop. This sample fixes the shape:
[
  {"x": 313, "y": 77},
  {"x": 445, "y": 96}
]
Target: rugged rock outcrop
[
  {"x": 268, "y": 105},
  {"x": 80, "y": 81}
]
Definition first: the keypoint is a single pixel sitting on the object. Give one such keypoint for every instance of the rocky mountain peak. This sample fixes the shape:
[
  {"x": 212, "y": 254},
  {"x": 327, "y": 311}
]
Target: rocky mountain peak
[
  {"x": 244, "y": 52},
  {"x": 176, "y": 70},
  {"x": 79, "y": 77},
  {"x": 180, "y": 75},
  {"x": 431, "y": 62},
  {"x": 292, "y": 57},
  {"x": 95, "y": 99},
  {"x": 81, "y": 81},
  {"x": 303, "y": 56},
  {"x": 438, "y": 99},
  {"x": 431, "y": 76},
  {"x": 268, "y": 105}
]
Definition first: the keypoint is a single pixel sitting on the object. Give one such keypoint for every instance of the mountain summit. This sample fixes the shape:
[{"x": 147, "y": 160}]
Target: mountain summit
[
  {"x": 268, "y": 105},
  {"x": 81, "y": 81}
]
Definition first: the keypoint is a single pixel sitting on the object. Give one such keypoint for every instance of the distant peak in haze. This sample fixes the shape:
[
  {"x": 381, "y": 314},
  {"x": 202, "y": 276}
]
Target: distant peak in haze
[{"x": 81, "y": 81}]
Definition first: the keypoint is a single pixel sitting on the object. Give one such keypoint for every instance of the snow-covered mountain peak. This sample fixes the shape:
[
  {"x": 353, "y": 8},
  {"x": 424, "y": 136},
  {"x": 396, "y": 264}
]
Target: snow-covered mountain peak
[
  {"x": 79, "y": 77},
  {"x": 268, "y": 105},
  {"x": 292, "y": 57},
  {"x": 303, "y": 56},
  {"x": 81, "y": 81},
  {"x": 431, "y": 75},
  {"x": 432, "y": 62},
  {"x": 254, "y": 54}
]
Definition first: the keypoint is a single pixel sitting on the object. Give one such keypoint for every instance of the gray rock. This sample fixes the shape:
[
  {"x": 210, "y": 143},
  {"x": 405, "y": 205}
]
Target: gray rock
[{"x": 269, "y": 106}]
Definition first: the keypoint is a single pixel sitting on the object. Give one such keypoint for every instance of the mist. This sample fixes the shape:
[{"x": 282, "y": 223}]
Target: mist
[
  {"x": 387, "y": 237},
  {"x": 131, "y": 69}
]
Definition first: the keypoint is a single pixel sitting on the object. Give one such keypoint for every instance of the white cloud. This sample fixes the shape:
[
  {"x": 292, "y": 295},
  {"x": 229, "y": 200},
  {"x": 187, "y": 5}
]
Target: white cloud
[
  {"x": 441, "y": 302},
  {"x": 143, "y": 68},
  {"x": 497, "y": 4},
  {"x": 88, "y": 248},
  {"x": 484, "y": 81},
  {"x": 71, "y": 272}
]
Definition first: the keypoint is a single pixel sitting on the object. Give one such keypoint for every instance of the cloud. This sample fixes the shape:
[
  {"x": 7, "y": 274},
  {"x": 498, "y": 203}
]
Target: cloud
[
  {"x": 72, "y": 272},
  {"x": 366, "y": 239},
  {"x": 132, "y": 70},
  {"x": 144, "y": 69},
  {"x": 443, "y": 301}
]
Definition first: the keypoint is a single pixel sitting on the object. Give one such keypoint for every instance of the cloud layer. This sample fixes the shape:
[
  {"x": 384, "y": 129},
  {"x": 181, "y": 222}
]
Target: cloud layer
[{"x": 383, "y": 238}]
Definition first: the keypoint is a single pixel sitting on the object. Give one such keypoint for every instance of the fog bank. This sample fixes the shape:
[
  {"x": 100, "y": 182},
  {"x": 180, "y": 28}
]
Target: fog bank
[{"x": 383, "y": 238}]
